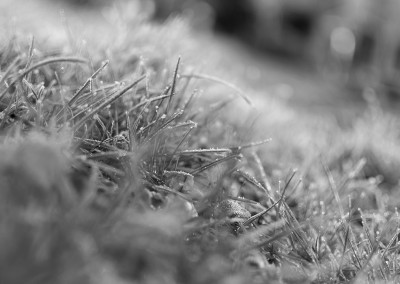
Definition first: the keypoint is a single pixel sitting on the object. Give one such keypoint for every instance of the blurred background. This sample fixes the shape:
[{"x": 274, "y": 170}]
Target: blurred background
[
  {"x": 353, "y": 41},
  {"x": 318, "y": 55}
]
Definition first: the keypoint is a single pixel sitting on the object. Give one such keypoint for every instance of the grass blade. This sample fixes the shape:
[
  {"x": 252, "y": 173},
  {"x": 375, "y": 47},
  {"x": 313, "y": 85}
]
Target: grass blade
[
  {"x": 220, "y": 81},
  {"x": 87, "y": 83}
]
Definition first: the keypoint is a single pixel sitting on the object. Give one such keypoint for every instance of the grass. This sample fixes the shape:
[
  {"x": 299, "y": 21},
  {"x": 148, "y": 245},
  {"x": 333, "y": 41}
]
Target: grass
[{"x": 120, "y": 166}]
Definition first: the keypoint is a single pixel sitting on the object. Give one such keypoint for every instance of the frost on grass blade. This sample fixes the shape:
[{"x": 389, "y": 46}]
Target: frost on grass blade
[
  {"x": 205, "y": 151},
  {"x": 87, "y": 83},
  {"x": 25, "y": 72},
  {"x": 107, "y": 102}
]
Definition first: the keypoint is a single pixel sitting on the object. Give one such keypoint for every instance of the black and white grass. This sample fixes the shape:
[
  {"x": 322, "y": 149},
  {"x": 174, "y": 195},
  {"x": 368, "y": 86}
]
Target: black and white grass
[{"x": 114, "y": 169}]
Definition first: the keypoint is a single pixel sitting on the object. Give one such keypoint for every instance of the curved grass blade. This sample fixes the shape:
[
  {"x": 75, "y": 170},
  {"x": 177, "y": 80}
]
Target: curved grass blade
[
  {"x": 220, "y": 81},
  {"x": 40, "y": 64}
]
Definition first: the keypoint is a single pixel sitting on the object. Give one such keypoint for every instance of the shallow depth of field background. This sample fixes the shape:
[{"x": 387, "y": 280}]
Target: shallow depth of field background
[
  {"x": 318, "y": 54},
  {"x": 320, "y": 57}
]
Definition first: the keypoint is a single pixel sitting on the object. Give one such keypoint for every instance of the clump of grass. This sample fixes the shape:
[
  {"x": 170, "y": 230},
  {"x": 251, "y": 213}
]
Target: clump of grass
[
  {"x": 116, "y": 171},
  {"x": 106, "y": 175}
]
